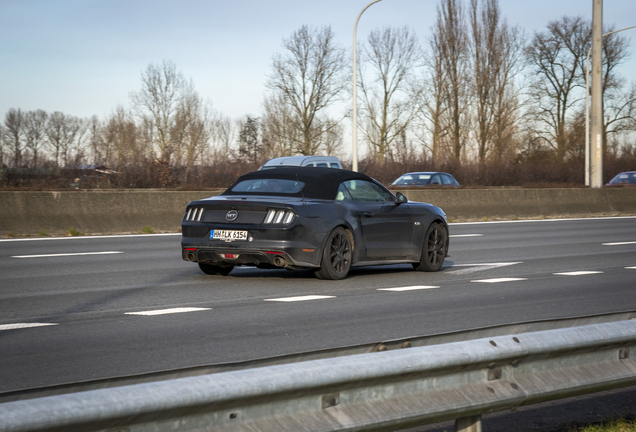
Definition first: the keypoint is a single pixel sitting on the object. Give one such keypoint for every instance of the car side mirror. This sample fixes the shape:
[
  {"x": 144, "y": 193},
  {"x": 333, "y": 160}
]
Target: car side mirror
[{"x": 400, "y": 198}]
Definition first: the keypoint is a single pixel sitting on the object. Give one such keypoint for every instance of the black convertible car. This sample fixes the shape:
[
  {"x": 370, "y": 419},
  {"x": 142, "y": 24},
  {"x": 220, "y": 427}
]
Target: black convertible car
[{"x": 317, "y": 218}]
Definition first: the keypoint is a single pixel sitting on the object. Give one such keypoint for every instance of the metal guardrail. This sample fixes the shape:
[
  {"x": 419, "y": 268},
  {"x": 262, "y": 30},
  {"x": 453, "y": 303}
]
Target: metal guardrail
[
  {"x": 367, "y": 392},
  {"x": 387, "y": 345}
]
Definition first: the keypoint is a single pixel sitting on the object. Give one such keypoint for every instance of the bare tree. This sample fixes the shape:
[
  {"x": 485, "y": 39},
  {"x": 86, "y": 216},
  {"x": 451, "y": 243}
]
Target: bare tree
[
  {"x": 14, "y": 122},
  {"x": 281, "y": 128},
  {"x": 556, "y": 58},
  {"x": 387, "y": 107},
  {"x": 433, "y": 107},
  {"x": 121, "y": 142},
  {"x": 3, "y": 133},
  {"x": 619, "y": 100},
  {"x": 64, "y": 137},
  {"x": 620, "y": 115},
  {"x": 35, "y": 132},
  {"x": 157, "y": 105},
  {"x": 309, "y": 79},
  {"x": 191, "y": 130},
  {"x": 495, "y": 56},
  {"x": 450, "y": 37},
  {"x": 332, "y": 139},
  {"x": 222, "y": 137}
]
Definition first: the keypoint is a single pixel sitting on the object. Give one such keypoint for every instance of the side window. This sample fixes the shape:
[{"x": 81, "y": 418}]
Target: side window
[
  {"x": 436, "y": 179},
  {"x": 362, "y": 190},
  {"x": 446, "y": 180},
  {"x": 334, "y": 165},
  {"x": 322, "y": 165},
  {"x": 343, "y": 194}
]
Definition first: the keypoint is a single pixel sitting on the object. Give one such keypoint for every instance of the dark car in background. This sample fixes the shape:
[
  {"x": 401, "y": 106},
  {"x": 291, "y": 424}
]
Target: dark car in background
[
  {"x": 426, "y": 179},
  {"x": 324, "y": 219},
  {"x": 624, "y": 178}
]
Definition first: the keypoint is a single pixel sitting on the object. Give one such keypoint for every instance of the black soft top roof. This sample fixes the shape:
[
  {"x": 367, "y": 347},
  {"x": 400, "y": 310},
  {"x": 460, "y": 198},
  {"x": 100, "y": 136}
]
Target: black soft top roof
[{"x": 320, "y": 183}]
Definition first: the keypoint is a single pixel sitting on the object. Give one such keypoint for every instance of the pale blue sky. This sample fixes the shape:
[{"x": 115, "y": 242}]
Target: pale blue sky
[{"x": 84, "y": 57}]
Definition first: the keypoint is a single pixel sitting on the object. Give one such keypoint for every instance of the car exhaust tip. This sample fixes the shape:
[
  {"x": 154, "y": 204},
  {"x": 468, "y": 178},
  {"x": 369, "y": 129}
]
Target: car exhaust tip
[
  {"x": 190, "y": 257},
  {"x": 279, "y": 261}
]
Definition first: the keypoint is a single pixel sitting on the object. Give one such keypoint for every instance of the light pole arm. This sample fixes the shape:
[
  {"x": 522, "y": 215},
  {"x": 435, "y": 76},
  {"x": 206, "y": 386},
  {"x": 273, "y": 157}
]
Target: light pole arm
[{"x": 354, "y": 164}]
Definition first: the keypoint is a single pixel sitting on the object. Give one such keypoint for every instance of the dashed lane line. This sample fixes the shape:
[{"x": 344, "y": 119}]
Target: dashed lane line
[
  {"x": 67, "y": 254},
  {"x": 466, "y": 235},
  {"x": 409, "y": 288},
  {"x": 167, "y": 311},
  {"x": 24, "y": 325},
  {"x": 577, "y": 273},
  {"x": 618, "y": 243},
  {"x": 631, "y": 268},
  {"x": 300, "y": 298},
  {"x": 479, "y": 267},
  {"x": 497, "y": 280}
]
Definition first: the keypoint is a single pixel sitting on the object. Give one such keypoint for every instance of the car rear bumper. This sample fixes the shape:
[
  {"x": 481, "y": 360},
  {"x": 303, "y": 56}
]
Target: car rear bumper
[{"x": 297, "y": 247}]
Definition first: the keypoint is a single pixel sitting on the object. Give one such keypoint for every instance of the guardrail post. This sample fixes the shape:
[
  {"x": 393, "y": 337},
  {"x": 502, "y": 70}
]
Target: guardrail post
[{"x": 468, "y": 424}]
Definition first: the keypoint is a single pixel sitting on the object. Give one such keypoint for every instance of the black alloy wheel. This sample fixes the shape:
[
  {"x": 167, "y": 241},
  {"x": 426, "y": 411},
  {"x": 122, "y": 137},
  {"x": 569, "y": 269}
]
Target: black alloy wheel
[
  {"x": 336, "y": 257},
  {"x": 215, "y": 270},
  {"x": 433, "y": 249}
]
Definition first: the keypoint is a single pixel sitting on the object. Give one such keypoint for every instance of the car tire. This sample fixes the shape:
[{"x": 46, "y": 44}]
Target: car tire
[
  {"x": 433, "y": 249},
  {"x": 215, "y": 270},
  {"x": 336, "y": 256}
]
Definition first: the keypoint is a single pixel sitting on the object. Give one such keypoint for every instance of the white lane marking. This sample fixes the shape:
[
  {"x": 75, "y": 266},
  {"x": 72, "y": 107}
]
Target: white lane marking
[
  {"x": 577, "y": 273},
  {"x": 24, "y": 325},
  {"x": 497, "y": 280},
  {"x": 466, "y": 235},
  {"x": 543, "y": 220},
  {"x": 618, "y": 243},
  {"x": 167, "y": 311},
  {"x": 67, "y": 254},
  {"x": 408, "y": 288},
  {"x": 631, "y": 268},
  {"x": 88, "y": 237},
  {"x": 479, "y": 267},
  {"x": 300, "y": 298}
]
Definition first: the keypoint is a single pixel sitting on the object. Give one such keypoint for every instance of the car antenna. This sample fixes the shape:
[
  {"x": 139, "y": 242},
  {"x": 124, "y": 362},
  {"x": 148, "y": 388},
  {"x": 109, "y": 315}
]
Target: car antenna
[{"x": 301, "y": 190}]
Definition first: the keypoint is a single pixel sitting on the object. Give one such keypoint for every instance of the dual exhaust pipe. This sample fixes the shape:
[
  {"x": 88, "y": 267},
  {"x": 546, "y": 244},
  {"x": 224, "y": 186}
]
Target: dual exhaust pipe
[{"x": 278, "y": 260}]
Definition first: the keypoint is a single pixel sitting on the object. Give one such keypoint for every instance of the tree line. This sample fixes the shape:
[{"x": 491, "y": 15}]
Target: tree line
[{"x": 477, "y": 97}]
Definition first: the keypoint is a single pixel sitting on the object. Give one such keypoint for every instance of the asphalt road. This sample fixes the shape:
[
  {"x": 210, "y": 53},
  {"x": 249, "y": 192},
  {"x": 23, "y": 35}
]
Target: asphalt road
[{"x": 69, "y": 307}]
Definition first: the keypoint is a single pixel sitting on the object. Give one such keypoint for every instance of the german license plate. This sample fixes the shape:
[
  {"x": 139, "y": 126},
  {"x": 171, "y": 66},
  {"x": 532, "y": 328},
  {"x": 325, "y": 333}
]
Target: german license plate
[{"x": 228, "y": 235}]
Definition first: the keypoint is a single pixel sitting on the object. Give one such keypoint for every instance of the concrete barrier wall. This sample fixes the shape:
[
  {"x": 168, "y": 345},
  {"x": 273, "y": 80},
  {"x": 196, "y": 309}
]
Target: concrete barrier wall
[
  {"x": 130, "y": 211},
  {"x": 476, "y": 204},
  {"x": 94, "y": 212}
]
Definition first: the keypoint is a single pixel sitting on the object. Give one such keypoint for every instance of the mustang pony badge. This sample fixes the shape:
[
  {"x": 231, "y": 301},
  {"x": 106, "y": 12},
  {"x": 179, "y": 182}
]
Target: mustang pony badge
[{"x": 231, "y": 215}]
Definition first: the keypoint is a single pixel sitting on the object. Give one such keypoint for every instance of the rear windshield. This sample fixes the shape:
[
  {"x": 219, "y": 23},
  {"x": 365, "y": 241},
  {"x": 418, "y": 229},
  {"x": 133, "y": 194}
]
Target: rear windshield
[{"x": 269, "y": 186}]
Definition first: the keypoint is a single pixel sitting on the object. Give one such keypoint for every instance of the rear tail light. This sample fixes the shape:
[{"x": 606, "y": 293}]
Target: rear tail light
[
  {"x": 194, "y": 214},
  {"x": 284, "y": 217}
]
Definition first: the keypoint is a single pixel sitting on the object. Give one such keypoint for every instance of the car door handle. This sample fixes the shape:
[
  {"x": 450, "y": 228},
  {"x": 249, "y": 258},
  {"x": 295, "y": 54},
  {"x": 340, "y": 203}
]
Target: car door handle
[{"x": 366, "y": 214}]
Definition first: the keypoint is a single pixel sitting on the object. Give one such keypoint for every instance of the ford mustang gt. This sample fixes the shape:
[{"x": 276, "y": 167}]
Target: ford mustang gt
[{"x": 312, "y": 218}]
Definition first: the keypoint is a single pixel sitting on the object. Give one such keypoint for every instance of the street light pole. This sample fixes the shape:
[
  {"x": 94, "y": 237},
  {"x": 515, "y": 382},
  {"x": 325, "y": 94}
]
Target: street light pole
[
  {"x": 596, "y": 176},
  {"x": 354, "y": 165},
  {"x": 587, "y": 109}
]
